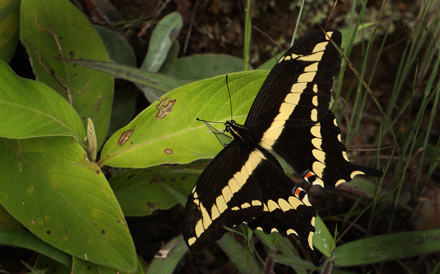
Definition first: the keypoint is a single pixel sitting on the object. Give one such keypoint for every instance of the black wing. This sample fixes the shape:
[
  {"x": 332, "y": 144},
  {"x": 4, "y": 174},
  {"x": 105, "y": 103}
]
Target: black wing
[
  {"x": 298, "y": 88},
  {"x": 286, "y": 206},
  {"x": 226, "y": 194},
  {"x": 290, "y": 114},
  {"x": 317, "y": 154},
  {"x": 245, "y": 184}
]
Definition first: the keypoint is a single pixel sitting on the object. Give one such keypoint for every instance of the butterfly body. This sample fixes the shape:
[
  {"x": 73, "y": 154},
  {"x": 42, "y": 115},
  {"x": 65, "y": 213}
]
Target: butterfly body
[{"x": 290, "y": 117}]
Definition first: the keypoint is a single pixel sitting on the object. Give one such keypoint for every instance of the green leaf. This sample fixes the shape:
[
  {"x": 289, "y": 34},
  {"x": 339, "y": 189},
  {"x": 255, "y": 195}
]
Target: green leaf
[
  {"x": 123, "y": 109},
  {"x": 9, "y": 13},
  {"x": 119, "y": 50},
  {"x": 168, "y": 132},
  {"x": 32, "y": 109},
  {"x": 202, "y": 66},
  {"x": 387, "y": 248},
  {"x": 322, "y": 239},
  {"x": 25, "y": 239},
  {"x": 154, "y": 80},
  {"x": 47, "y": 265},
  {"x": 168, "y": 256},
  {"x": 54, "y": 29},
  {"x": 81, "y": 266},
  {"x": 239, "y": 255},
  {"x": 141, "y": 191},
  {"x": 161, "y": 41},
  {"x": 65, "y": 200}
]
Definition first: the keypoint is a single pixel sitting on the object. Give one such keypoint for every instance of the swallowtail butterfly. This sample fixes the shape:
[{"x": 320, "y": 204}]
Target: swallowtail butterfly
[{"x": 245, "y": 184}]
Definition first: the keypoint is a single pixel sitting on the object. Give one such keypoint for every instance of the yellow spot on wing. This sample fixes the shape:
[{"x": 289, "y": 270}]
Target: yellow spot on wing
[
  {"x": 294, "y": 202},
  {"x": 191, "y": 241},
  {"x": 320, "y": 46},
  {"x": 199, "y": 228},
  {"x": 284, "y": 205},
  {"x": 256, "y": 203},
  {"x": 316, "y": 131},
  {"x": 316, "y": 56},
  {"x": 227, "y": 193},
  {"x": 318, "y": 168},
  {"x": 272, "y": 205},
  {"x": 319, "y": 155},
  {"x": 318, "y": 182},
  {"x": 314, "y": 115},
  {"x": 310, "y": 240},
  {"x": 312, "y": 67},
  {"x": 221, "y": 204},
  {"x": 317, "y": 142},
  {"x": 306, "y": 77},
  {"x": 205, "y": 217},
  {"x": 315, "y": 100},
  {"x": 340, "y": 181},
  {"x": 298, "y": 88},
  {"x": 291, "y": 231},
  {"x": 245, "y": 205},
  {"x": 214, "y": 212},
  {"x": 356, "y": 172}
]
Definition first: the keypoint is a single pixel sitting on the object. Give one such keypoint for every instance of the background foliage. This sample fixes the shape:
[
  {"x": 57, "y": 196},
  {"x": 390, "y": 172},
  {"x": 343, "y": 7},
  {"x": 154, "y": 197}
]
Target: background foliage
[{"x": 61, "y": 109}]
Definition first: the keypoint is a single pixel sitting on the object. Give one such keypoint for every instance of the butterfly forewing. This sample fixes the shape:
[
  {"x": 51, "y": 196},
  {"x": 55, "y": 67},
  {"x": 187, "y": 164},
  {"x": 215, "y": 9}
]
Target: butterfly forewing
[{"x": 297, "y": 91}]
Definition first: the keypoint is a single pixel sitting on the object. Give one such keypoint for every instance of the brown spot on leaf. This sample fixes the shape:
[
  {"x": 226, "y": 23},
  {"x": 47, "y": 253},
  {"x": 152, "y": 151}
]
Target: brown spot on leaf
[
  {"x": 168, "y": 151},
  {"x": 125, "y": 136},
  {"x": 164, "y": 109},
  {"x": 48, "y": 232}
]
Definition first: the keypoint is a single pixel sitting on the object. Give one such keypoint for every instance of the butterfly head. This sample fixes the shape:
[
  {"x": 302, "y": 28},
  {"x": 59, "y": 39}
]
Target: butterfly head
[{"x": 233, "y": 128}]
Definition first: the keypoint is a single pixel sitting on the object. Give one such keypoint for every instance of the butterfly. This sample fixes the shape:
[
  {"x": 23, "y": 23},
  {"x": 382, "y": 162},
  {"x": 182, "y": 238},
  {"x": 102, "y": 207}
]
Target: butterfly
[{"x": 290, "y": 117}]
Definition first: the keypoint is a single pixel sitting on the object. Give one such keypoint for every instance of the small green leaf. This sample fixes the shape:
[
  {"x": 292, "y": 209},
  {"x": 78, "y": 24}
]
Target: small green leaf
[
  {"x": 202, "y": 66},
  {"x": 9, "y": 14},
  {"x": 168, "y": 257},
  {"x": 25, "y": 239},
  {"x": 154, "y": 80},
  {"x": 387, "y": 248},
  {"x": 31, "y": 109},
  {"x": 140, "y": 191},
  {"x": 55, "y": 29},
  {"x": 65, "y": 200},
  {"x": 168, "y": 132},
  {"x": 161, "y": 41},
  {"x": 322, "y": 239},
  {"x": 81, "y": 266},
  {"x": 123, "y": 109},
  {"x": 119, "y": 50}
]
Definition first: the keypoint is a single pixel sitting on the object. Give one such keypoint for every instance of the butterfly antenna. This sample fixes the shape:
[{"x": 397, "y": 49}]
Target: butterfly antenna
[{"x": 229, "y": 93}]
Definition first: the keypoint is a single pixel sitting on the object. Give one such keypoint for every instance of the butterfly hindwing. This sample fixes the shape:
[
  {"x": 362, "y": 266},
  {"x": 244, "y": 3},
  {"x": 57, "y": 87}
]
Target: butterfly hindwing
[
  {"x": 317, "y": 154},
  {"x": 286, "y": 206},
  {"x": 226, "y": 194}
]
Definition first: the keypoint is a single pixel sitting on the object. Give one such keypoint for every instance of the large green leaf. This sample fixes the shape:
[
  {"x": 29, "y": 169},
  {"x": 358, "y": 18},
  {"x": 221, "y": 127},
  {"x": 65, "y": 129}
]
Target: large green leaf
[
  {"x": 65, "y": 200},
  {"x": 9, "y": 13},
  {"x": 31, "y": 109},
  {"x": 387, "y": 248},
  {"x": 54, "y": 29},
  {"x": 140, "y": 191},
  {"x": 168, "y": 132}
]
